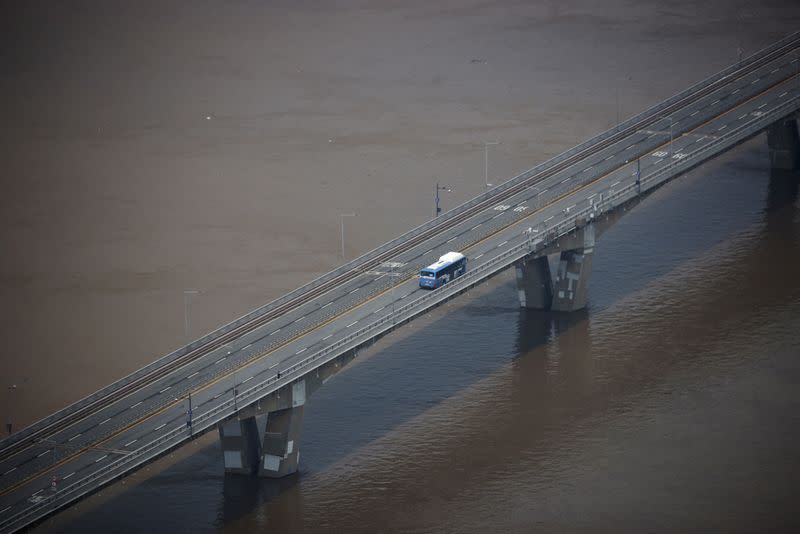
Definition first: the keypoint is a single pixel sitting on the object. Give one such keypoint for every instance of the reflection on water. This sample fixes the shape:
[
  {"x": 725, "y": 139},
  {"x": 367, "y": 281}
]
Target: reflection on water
[{"x": 669, "y": 404}]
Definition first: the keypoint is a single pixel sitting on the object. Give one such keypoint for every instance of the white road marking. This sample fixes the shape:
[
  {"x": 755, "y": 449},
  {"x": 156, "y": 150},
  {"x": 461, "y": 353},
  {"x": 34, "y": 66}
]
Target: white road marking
[
  {"x": 295, "y": 321},
  {"x": 7, "y": 508},
  {"x": 609, "y": 157},
  {"x": 137, "y": 404},
  {"x": 775, "y": 70},
  {"x": 65, "y": 477},
  {"x": 351, "y": 324},
  {"x": 501, "y": 244},
  {"x": 496, "y": 216},
  {"x": 615, "y": 183},
  {"x": 475, "y": 227},
  {"x": 762, "y": 105},
  {"x": 630, "y": 147},
  {"x": 428, "y": 252},
  {"x": 565, "y": 180},
  {"x": 520, "y": 209},
  {"x": 9, "y": 471},
  {"x": 220, "y": 360},
  {"x": 451, "y": 239},
  {"x": 76, "y": 436},
  {"x": 247, "y": 379},
  {"x": 37, "y": 493},
  {"x": 330, "y": 335},
  {"x": 193, "y": 375},
  {"x": 278, "y": 330},
  {"x": 42, "y": 454},
  {"x": 695, "y": 113},
  {"x": 755, "y": 81},
  {"x": 542, "y": 193},
  {"x": 328, "y": 304},
  {"x": 547, "y": 219},
  {"x": 301, "y": 350},
  {"x": 590, "y": 196},
  {"x": 735, "y": 91},
  {"x": 715, "y": 102},
  {"x": 248, "y": 345},
  {"x": 130, "y": 443},
  {"x": 783, "y": 94},
  {"x": 570, "y": 207},
  {"x": 104, "y": 422},
  {"x": 478, "y": 256},
  {"x": 356, "y": 289},
  {"x": 165, "y": 389},
  {"x": 742, "y": 116},
  {"x": 274, "y": 365},
  {"x": 376, "y": 311},
  {"x": 215, "y": 397},
  {"x": 101, "y": 458},
  {"x": 792, "y": 61},
  {"x": 161, "y": 426},
  {"x": 722, "y": 127}
]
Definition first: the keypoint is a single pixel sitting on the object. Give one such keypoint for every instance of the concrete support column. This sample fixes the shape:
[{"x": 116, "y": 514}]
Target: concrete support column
[
  {"x": 535, "y": 283},
  {"x": 280, "y": 450},
  {"x": 784, "y": 144},
  {"x": 572, "y": 277},
  {"x": 240, "y": 443}
]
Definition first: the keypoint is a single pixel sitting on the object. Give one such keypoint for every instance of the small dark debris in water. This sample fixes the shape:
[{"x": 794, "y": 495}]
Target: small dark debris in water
[{"x": 477, "y": 60}]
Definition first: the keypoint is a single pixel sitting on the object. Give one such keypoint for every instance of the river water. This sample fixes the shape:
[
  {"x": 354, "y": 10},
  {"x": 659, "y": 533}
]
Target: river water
[
  {"x": 670, "y": 404},
  {"x": 153, "y": 148}
]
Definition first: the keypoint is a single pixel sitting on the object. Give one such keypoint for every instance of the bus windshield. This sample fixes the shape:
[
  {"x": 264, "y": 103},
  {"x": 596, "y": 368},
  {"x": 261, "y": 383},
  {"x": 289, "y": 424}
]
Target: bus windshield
[{"x": 428, "y": 274}]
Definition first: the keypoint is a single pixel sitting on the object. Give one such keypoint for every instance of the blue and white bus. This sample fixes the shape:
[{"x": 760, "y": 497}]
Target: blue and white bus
[{"x": 449, "y": 267}]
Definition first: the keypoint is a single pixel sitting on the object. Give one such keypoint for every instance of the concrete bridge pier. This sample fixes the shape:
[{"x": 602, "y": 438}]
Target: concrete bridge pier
[
  {"x": 280, "y": 450},
  {"x": 784, "y": 144},
  {"x": 241, "y": 446},
  {"x": 266, "y": 440},
  {"x": 572, "y": 276},
  {"x": 536, "y": 287},
  {"x": 535, "y": 283}
]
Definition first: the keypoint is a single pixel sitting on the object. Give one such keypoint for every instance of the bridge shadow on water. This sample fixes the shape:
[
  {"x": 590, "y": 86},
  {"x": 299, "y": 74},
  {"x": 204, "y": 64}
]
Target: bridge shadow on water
[{"x": 460, "y": 344}]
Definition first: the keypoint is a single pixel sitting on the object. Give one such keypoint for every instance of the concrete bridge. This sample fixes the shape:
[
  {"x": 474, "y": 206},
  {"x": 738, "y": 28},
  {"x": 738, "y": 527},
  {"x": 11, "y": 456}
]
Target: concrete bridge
[{"x": 249, "y": 380}]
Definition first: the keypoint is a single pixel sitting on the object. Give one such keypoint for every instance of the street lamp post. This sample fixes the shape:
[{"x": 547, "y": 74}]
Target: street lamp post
[
  {"x": 486, "y": 144},
  {"x": 439, "y": 188},
  {"x": 341, "y": 217},
  {"x": 186, "y": 312}
]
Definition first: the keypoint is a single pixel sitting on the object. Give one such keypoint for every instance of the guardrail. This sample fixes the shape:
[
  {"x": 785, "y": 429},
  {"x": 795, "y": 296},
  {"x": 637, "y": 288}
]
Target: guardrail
[
  {"x": 164, "y": 360},
  {"x": 530, "y": 245}
]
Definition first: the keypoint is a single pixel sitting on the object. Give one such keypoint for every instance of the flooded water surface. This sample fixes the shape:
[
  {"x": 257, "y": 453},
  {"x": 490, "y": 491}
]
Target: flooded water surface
[{"x": 213, "y": 147}]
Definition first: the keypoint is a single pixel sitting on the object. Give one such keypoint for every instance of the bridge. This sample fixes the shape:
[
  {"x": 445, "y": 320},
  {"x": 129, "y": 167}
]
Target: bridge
[{"x": 249, "y": 380}]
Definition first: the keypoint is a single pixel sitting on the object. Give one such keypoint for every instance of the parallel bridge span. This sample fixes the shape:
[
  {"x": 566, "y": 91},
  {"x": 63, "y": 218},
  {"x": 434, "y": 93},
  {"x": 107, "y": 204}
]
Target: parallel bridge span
[{"x": 250, "y": 379}]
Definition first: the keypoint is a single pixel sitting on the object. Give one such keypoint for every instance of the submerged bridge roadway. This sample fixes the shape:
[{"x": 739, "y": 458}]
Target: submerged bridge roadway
[{"x": 196, "y": 388}]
